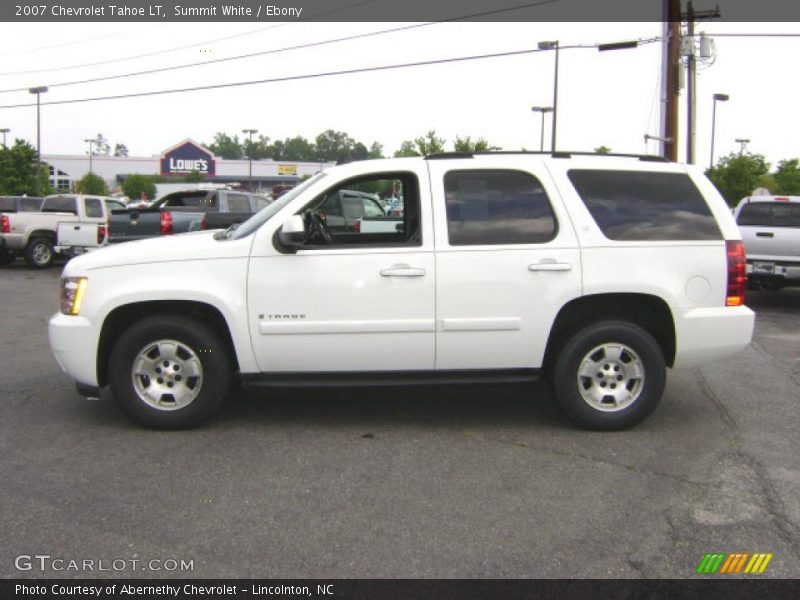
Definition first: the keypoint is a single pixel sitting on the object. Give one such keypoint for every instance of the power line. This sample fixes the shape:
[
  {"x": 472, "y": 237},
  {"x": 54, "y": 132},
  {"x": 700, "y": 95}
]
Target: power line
[
  {"x": 288, "y": 48},
  {"x": 178, "y": 48},
  {"x": 314, "y": 75}
]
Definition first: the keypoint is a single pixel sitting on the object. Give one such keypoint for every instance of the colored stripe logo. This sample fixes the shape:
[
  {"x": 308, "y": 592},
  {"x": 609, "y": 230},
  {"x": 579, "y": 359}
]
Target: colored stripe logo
[{"x": 731, "y": 564}]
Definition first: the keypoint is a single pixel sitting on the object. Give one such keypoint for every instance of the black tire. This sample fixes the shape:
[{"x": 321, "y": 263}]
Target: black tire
[
  {"x": 569, "y": 389},
  {"x": 194, "y": 337},
  {"x": 39, "y": 253}
]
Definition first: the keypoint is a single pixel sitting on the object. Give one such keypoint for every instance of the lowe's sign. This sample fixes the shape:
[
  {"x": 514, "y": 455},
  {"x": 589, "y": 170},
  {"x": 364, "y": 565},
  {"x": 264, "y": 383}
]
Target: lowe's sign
[{"x": 186, "y": 157}]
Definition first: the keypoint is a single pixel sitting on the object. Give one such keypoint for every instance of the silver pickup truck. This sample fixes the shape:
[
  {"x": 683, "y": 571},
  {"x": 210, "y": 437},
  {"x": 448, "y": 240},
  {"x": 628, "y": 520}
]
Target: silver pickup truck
[
  {"x": 770, "y": 227},
  {"x": 33, "y": 234}
]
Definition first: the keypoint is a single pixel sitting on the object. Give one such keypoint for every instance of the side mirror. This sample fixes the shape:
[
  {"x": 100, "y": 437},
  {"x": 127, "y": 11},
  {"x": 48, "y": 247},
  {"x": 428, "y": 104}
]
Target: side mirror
[{"x": 293, "y": 232}]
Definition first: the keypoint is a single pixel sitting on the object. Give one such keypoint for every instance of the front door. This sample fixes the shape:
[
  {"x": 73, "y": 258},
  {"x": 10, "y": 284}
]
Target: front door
[{"x": 350, "y": 300}]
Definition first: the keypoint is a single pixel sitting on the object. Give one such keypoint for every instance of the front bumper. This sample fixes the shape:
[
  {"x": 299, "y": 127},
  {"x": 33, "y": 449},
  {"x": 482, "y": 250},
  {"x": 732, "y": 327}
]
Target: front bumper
[
  {"x": 708, "y": 334},
  {"x": 73, "y": 342}
]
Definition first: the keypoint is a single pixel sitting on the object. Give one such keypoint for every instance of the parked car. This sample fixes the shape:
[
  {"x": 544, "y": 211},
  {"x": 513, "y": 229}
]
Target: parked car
[
  {"x": 184, "y": 211},
  {"x": 770, "y": 227},
  {"x": 14, "y": 204},
  {"x": 344, "y": 209},
  {"x": 596, "y": 272},
  {"x": 33, "y": 234}
]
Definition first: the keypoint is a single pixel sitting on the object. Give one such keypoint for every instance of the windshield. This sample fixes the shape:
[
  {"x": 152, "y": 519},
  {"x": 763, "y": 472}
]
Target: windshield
[{"x": 265, "y": 214}]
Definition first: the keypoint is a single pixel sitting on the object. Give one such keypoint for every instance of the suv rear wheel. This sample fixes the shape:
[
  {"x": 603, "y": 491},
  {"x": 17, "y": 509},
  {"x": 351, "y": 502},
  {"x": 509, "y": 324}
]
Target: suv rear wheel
[
  {"x": 170, "y": 372},
  {"x": 609, "y": 375}
]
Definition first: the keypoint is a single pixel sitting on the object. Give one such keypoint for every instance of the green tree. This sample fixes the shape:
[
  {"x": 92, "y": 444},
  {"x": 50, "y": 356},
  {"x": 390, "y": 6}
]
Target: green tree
[
  {"x": 135, "y": 185},
  {"x": 602, "y": 150},
  {"x": 195, "y": 177},
  {"x": 297, "y": 148},
  {"x": 375, "y": 150},
  {"x": 18, "y": 169},
  {"x": 407, "y": 148},
  {"x": 226, "y": 146},
  {"x": 429, "y": 144},
  {"x": 787, "y": 178},
  {"x": 335, "y": 146},
  {"x": 92, "y": 183},
  {"x": 120, "y": 150},
  {"x": 737, "y": 175},
  {"x": 466, "y": 144}
]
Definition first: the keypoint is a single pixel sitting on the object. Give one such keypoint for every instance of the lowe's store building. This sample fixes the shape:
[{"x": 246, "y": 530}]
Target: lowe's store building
[{"x": 178, "y": 161}]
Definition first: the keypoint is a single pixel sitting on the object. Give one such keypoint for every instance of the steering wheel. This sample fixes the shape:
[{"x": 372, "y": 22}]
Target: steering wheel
[{"x": 317, "y": 225}]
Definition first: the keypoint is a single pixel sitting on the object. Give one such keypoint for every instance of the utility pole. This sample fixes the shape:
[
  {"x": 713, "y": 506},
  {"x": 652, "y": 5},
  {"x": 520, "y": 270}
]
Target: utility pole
[
  {"x": 672, "y": 14},
  {"x": 691, "y": 80}
]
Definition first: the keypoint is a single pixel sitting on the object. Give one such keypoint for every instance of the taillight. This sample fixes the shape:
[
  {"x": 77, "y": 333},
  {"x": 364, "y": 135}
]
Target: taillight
[
  {"x": 781, "y": 198},
  {"x": 101, "y": 234},
  {"x": 737, "y": 273},
  {"x": 5, "y": 226},
  {"x": 166, "y": 223},
  {"x": 357, "y": 226},
  {"x": 203, "y": 222}
]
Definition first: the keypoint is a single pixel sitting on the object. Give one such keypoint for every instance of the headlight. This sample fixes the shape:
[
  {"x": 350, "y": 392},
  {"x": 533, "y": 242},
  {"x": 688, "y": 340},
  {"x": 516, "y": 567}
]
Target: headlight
[{"x": 72, "y": 291}]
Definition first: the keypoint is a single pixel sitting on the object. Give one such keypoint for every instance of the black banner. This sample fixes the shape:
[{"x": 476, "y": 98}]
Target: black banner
[
  {"x": 349, "y": 589},
  {"x": 384, "y": 10}
]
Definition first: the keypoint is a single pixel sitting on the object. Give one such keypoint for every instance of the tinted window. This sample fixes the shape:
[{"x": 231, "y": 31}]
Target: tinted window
[
  {"x": 770, "y": 214},
  {"x": 29, "y": 204},
  {"x": 635, "y": 205},
  {"x": 8, "y": 204},
  {"x": 114, "y": 205},
  {"x": 65, "y": 204},
  {"x": 497, "y": 207},
  {"x": 94, "y": 208}
]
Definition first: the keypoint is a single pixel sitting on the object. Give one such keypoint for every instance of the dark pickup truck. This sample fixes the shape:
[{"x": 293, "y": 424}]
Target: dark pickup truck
[{"x": 181, "y": 212}]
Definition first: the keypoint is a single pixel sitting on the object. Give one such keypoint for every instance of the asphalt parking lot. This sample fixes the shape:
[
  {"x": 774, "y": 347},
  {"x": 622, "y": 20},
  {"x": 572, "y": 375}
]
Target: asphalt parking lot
[{"x": 426, "y": 482}]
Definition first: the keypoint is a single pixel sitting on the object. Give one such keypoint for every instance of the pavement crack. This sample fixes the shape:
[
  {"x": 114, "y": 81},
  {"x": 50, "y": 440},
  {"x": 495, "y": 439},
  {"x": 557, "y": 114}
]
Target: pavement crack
[{"x": 724, "y": 413}]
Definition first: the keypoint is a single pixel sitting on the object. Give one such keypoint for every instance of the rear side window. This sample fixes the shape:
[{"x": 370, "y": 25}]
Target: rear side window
[
  {"x": 636, "y": 205},
  {"x": 769, "y": 214},
  {"x": 488, "y": 207},
  {"x": 8, "y": 205},
  {"x": 94, "y": 208},
  {"x": 65, "y": 204},
  {"x": 30, "y": 204}
]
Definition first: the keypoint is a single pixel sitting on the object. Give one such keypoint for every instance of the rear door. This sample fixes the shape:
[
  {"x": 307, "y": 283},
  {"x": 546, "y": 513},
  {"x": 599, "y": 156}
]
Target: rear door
[
  {"x": 770, "y": 229},
  {"x": 507, "y": 259}
]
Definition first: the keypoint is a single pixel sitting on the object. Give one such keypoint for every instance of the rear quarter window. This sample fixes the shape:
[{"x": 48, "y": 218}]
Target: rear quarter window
[{"x": 645, "y": 206}]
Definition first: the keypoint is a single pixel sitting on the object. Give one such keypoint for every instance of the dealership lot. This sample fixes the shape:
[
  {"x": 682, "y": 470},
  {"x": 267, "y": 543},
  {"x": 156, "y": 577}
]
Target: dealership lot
[{"x": 460, "y": 481}]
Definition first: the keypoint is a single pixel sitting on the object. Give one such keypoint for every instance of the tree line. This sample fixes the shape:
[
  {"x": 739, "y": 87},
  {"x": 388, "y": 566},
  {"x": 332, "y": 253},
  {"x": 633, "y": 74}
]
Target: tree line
[{"x": 737, "y": 175}]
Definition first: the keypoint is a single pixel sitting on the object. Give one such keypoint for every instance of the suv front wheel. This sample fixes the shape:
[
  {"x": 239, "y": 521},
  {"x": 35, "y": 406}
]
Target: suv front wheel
[
  {"x": 609, "y": 375},
  {"x": 170, "y": 372}
]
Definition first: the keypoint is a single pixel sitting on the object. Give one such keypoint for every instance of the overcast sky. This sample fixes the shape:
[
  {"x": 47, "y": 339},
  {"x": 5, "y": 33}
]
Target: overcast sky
[{"x": 609, "y": 98}]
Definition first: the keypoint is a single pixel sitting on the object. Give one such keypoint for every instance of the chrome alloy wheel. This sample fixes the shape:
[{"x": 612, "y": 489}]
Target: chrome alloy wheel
[
  {"x": 611, "y": 377},
  {"x": 41, "y": 254},
  {"x": 167, "y": 375}
]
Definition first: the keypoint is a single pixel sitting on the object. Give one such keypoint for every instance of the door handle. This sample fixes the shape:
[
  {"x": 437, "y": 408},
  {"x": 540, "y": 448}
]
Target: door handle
[
  {"x": 76, "y": 227},
  {"x": 402, "y": 271},
  {"x": 550, "y": 265},
  {"x": 764, "y": 234}
]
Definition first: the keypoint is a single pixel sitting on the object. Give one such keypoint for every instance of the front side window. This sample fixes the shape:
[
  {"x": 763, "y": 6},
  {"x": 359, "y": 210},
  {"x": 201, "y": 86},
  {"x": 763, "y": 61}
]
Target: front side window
[
  {"x": 492, "y": 207},
  {"x": 30, "y": 204},
  {"x": 351, "y": 213},
  {"x": 64, "y": 204},
  {"x": 638, "y": 205}
]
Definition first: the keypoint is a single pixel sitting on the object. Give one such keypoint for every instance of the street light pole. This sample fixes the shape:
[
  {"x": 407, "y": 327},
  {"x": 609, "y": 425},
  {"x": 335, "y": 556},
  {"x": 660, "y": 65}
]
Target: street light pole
[
  {"x": 90, "y": 152},
  {"x": 553, "y": 46},
  {"x": 742, "y": 144},
  {"x": 542, "y": 110},
  {"x": 39, "y": 90},
  {"x": 4, "y": 131},
  {"x": 250, "y": 132},
  {"x": 717, "y": 98}
]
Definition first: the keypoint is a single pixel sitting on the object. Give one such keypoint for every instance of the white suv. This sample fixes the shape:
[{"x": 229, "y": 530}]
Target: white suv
[{"x": 596, "y": 271}]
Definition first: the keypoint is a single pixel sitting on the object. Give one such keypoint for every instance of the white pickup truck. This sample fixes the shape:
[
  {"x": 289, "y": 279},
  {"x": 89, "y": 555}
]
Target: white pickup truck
[
  {"x": 770, "y": 227},
  {"x": 598, "y": 272},
  {"x": 34, "y": 234}
]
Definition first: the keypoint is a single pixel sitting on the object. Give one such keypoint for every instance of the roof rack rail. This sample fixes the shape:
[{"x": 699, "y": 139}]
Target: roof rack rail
[{"x": 556, "y": 154}]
